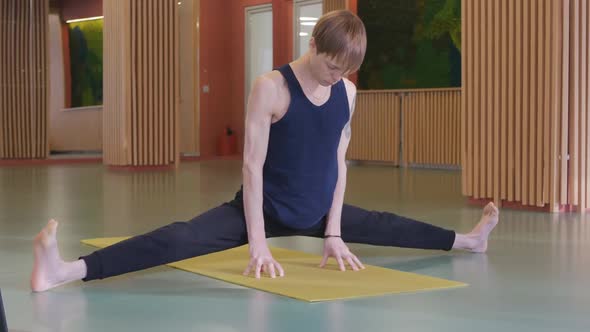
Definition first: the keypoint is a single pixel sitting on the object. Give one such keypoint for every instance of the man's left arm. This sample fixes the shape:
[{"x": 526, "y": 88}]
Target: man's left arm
[{"x": 334, "y": 246}]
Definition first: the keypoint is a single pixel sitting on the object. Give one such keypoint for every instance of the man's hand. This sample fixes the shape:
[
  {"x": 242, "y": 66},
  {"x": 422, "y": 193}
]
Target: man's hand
[
  {"x": 261, "y": 260},
  {"x": 335, "y": 247}
]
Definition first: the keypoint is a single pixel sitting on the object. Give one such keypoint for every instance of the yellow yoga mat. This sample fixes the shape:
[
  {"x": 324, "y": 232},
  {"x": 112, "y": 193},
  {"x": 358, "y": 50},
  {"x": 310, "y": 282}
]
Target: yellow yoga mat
[{"x": 304, "y": 279}]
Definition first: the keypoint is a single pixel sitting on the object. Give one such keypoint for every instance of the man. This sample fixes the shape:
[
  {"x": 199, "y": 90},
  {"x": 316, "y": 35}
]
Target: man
[{"x": 294, "y": 178}]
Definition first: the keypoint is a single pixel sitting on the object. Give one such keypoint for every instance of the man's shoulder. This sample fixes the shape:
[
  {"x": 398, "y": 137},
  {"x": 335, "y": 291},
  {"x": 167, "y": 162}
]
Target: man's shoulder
[
  {"x": 272, "y": 79},
  {"x": 350, "y": 87}
]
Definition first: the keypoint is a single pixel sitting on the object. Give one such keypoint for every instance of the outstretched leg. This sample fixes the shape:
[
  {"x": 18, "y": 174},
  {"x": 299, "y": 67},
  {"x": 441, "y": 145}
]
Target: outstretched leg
[
  {"x": 218, "y": 229},
  {"x": 388, "y": 229}
]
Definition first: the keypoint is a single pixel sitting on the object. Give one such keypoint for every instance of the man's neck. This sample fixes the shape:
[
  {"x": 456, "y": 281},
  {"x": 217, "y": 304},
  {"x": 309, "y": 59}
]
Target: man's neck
[{"x": 302, "y": 68}]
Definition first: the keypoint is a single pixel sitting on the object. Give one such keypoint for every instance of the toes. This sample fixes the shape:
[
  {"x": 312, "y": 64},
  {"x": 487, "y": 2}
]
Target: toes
[
  {"x": 490, "y": 209},
  {"x": 52, "y": 225}
]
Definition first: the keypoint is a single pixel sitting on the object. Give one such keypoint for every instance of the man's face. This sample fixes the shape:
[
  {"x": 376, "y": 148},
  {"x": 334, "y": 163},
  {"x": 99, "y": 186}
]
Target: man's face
[
  {"x": 326, "y": 69},
  {"x": 330, "y": 71}
]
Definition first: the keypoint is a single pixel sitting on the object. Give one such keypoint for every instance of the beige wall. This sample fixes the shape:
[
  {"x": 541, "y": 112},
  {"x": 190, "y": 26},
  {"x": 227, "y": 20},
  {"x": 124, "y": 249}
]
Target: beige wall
[
  {"x": 69, "y": 130},
  {"x": 189, "y": 87}
]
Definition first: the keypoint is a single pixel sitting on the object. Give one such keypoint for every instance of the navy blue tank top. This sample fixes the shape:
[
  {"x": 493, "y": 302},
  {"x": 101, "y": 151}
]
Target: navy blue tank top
[{"x": 301, "y": 167}]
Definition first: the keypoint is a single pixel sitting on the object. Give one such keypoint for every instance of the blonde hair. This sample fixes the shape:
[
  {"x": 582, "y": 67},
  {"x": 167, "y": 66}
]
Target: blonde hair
[{"x": 341, "y": 35}]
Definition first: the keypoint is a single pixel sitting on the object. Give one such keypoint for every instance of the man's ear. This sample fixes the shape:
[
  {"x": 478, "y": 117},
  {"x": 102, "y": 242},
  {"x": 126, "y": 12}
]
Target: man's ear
[{"x": 312, "y": 45}]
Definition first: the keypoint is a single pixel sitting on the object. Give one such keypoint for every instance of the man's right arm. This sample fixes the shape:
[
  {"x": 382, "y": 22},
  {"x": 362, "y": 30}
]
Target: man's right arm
[{"x": 258, "y": 121}]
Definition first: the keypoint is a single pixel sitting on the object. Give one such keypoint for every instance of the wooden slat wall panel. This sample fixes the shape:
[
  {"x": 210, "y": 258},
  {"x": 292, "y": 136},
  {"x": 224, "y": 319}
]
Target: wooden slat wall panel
[
  {"x": 330, "y": 5},
  {"x": 578, "y": 105},
  {"x": 526, "y": 99},
  {"x": 141, "y": 96},
  {"x": 116, "y": 101},
  {"x": 431, "y": 132},
  {"x": 375, "y": 127},
  {"x": 430, "y": 127},
  {"x": 586, "y": 135},
  {"x": 23, "y": 79}
]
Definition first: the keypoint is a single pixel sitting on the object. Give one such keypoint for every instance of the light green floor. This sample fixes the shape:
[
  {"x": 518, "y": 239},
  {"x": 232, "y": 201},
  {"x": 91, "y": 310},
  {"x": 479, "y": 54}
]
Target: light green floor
[{"x": 535, "y": 276}]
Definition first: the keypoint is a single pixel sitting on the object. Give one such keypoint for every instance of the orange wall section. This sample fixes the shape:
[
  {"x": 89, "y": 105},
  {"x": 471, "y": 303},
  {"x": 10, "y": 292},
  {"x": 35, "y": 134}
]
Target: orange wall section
[
  {"x": 222, "y": 64},
  {"x": 215, "y": 70}
]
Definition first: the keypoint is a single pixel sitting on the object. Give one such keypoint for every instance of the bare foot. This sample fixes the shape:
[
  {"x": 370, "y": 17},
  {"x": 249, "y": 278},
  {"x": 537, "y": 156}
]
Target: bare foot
[
  {"x": 48, "y": 269},
  {"x": 481, "y": 232}
]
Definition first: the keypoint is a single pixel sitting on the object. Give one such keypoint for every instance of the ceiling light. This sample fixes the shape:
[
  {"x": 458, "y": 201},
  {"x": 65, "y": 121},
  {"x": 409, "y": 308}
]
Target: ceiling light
[{"x": 85, "y": 19}]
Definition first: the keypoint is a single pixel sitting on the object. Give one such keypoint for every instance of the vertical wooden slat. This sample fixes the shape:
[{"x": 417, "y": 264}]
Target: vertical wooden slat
[
  {"x": 162, "y": 158},
  {"x": 519, "y": 102},
  {"x": 503, "y": 156},
  {"x": 478, "y": 128},
  {"x": 574, "y": 104},
  {"x": 526, "y": 102},
  {"x": 27, "y": 78},
  {"x": 471, "y": 91},
  {"x": 37, "y": 104},
  {"x": 22, "y": 45},
  {"x": 139, "y": 75},
  {"x": 465, "y": 45},
  {"x": 39, "y": 144},
  {"x": 555, "y": 105},
  {"x": 150, "y": 36},
  {"x": 3, "y": 88},
  {"x": 497, "y": 108},
  {"x": 171, "y": 88},
  {"x": 459, "y": 111},
  {"x": 455, "y": 109},
  {"x": 547, "y": 128},
  {"x": 538, "y": 188},
  {"x": 13, "y": 81},
  {"x": 44, "y": 125},
  {"x": 447, "y": 142},
  {"x": 409, "y": 147},
  {"x": 141, "y": 126},
  {"x": 533, "y": 106},
  {"x": 176, "y": 97},
  {"x": 583, "y": 107},
  {"x": 424, "y": 131},
  {"x": 158, "y": 112},
  {"x": 146, "y": 109},
  {"x": 428, "y": 147},
  {"x": 565, "y": 61},
  {"x": 488, "y": 162},
  {"x": 37, "y": 100},
  {"x": 414, "y": 130},
  {"x": 13, "y": 69},
  {"x": 417, "y": 131},
  {"x": 161, "y": 113},
  {"x": 457, "y": 129},
  {"x": 33, "y": 80},
  {"x": 586, "y": 136},
  {"x": 136, "y": 102},
  {"x": 116, "y": 75},
  {"x": 19, "y": 80},
  {"x": 447, "y": 118},
  {"x": 434, "y": 119}
]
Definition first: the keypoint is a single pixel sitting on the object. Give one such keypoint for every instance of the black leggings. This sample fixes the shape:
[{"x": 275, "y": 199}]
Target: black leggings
[{"x": 224, "y": 227}]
